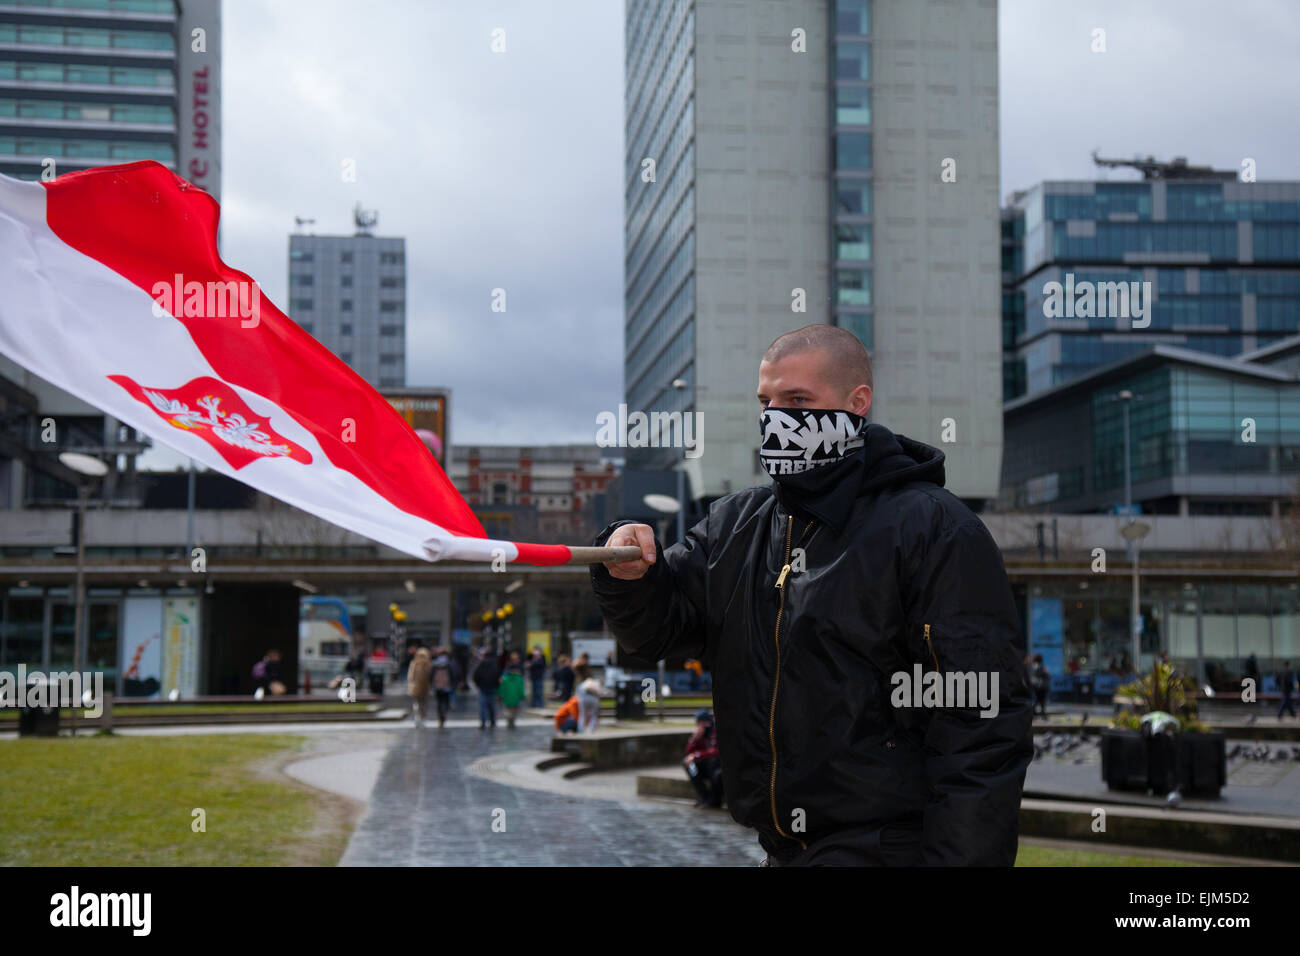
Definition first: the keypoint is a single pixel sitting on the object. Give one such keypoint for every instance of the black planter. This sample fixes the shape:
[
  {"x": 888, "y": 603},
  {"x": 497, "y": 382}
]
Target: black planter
[
  {"x": 1124, "y": 760},
  {"x": 1192, "y": 763},
  {"x": 1203, "y": 762}
]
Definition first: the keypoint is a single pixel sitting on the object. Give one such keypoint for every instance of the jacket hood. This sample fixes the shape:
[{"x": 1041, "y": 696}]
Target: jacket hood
[{"x": 893, "y": 459}]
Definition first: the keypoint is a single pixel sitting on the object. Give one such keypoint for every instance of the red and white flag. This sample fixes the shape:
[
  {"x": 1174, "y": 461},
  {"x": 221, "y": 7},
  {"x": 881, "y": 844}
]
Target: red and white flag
[{"x": 112, "y": 289}]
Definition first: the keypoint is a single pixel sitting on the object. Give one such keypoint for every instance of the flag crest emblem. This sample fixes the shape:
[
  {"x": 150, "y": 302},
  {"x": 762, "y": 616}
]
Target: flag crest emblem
[{"x": 213, "y": 410}]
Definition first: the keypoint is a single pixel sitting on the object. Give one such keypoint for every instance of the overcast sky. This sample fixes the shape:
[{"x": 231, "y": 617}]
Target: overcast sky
[{"x": 503, "y": 170}]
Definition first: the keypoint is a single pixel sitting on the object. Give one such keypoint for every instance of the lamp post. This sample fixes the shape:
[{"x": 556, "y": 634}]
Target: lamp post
[
  {"x": 666, "y": 505},
  {"x": 89, "y": 467},
  {"x": 1134, "y": 532},
  {"x": 680, "y": 386}
]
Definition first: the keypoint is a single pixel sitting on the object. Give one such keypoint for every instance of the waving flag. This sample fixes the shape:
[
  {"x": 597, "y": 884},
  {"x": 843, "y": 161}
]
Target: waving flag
[{"x": 112, "y": 289}]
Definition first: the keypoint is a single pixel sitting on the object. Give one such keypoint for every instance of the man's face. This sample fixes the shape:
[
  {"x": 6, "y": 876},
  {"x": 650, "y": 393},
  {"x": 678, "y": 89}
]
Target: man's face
[{"x": 800, "y": 381}]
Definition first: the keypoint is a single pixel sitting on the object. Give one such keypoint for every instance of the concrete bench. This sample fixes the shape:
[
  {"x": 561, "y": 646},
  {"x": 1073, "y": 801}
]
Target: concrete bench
[{"x": 616, "y": 749}]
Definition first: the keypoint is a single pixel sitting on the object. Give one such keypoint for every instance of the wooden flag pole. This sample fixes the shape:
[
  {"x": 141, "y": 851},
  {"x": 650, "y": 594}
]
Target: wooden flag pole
[{"x": 590, "y": 555}]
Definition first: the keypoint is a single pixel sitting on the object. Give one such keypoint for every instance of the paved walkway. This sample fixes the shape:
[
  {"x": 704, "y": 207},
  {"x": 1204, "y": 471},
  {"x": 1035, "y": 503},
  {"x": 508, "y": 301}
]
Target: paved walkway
[
  {"x": 1270, "y": 787},
  {"x": 440, "y": 800}
]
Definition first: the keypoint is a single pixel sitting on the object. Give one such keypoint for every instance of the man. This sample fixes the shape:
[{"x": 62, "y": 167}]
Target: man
[
  {"x": 1288, "y": 685},
  {"x": 537, "y": 676},
  {"x": 702, "y": 763},
  {"x": 487, "y": 678},
  {"x": 816, "y": 601}
]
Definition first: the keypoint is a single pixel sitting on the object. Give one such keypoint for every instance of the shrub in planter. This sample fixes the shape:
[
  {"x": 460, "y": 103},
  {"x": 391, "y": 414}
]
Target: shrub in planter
[{"x": 1186, "y": 756}]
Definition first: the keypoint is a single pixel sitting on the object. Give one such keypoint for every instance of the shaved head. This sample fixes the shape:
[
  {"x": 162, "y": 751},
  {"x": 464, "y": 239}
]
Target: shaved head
[{"x": 846, "y": 361}]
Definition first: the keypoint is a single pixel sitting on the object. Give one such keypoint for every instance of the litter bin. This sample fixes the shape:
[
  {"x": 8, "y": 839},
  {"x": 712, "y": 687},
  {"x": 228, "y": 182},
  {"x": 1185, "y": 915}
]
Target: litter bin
[
  {"x": 628, "y": 704},
  {"x": 377, "y": 682},
  {"x": 38, "y": 721}
]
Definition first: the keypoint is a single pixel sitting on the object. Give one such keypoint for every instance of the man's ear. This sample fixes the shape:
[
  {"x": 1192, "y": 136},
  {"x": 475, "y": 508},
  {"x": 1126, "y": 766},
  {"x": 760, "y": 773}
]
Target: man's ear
[{"x": 860, "y": 400}]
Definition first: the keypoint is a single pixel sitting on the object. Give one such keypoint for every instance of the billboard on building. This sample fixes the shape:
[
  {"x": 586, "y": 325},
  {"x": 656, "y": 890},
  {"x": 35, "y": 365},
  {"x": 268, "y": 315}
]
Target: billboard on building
[{"x": 425, "y": 410}]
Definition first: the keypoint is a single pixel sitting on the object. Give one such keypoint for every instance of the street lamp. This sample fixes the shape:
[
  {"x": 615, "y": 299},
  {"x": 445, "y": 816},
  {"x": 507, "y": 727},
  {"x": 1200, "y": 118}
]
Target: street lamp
[
  {"x": 89, "y": 467},
  {"x": 680, "y": 385},
  {"x": 1134, "y": 532}
]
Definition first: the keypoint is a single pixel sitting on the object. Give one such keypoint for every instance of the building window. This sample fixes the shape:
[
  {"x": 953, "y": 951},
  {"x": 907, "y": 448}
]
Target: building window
[
  {"x": 345, "y": 305},
  {"x": 853, "y": 286},
  {"x": 853, "y": 151},
  {"x": 852, "y": 242},
  {"x": 302, "y": 255},
  {"x": 390, "y": 307},
  {"x": 852, "y": 16},
  {"x": 345, "y": 281},
  {"x": 303, "y": 278},
  {"x": 390, "y": 282},
  {"x": 302, "y": 305},
  {"x": 853, "y": 197},
  {"x": 306, "y": 327},
  {"x": 853, "y": 106},
  {"x": 387, "y": 330},
  {"x": 346, "y": 357},
  {"x": 391, "y": 258},
  {"x": 345, "y": 257},
  {"x": 853, "y": 61},
  {"x": 345, "y": 328},
  {"x": 389, "y": 359}
]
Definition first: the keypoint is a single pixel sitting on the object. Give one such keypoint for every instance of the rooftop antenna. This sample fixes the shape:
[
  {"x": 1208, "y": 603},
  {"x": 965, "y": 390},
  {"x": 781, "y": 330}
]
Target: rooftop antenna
[
  {"x": 1151, "y": 168},
  {"x": 300, "y": 221},
  {"x": 365, "y": 219}
]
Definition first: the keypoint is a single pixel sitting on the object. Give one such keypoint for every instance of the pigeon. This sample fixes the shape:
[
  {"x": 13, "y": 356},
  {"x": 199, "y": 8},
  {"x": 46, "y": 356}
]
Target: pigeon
[{"x": 1173, "y": 799}]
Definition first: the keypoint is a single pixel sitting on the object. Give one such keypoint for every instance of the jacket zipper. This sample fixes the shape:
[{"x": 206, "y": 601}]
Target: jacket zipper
[
  {"x": 930, "y": 644},
  {"x": 776, "y": 683}
]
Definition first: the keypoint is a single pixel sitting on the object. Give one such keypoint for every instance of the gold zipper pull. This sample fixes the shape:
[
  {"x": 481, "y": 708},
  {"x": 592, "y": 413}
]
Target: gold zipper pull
[
  {"x": 930, "y": 644},
  {"x": 780, "y": 581}
]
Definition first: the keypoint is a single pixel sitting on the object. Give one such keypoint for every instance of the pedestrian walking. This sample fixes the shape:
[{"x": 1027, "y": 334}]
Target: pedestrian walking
[
  {"x": 419, "y": 681},
  {"x": 1041, "y": 682},
  {"x": 563, "y": 677},
  {"x": 511, "y": 691},
  {"x": 487, "y": 678},
  {"x": 443, "y": 680},
  {"x": 537, "y": 676},
  {"x": 1287, "y": 680}
]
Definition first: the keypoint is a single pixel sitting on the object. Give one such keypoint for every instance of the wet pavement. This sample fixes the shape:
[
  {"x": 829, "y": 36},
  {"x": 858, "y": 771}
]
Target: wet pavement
[{"x": 438, "y": 801}]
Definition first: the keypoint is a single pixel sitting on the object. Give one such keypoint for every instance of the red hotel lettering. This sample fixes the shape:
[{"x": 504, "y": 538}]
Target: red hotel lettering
[{"x": 200, "y": 117}]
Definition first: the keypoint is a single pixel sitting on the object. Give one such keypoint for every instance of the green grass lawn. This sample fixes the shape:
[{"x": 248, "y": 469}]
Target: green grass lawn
[
  {"x": 131, "y": 710},
  {"x": 127, "y": 801},
  {"x": 1052, "y": 856}
]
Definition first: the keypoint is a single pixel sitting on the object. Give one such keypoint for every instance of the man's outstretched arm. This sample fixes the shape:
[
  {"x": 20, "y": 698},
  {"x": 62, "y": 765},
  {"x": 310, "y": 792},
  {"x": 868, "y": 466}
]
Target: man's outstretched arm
[
  {"x": 655, "y": 606},
  {"x": 977, "y": 755}
]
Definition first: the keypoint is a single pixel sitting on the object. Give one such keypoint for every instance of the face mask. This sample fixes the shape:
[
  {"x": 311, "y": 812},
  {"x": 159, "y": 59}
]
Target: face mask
[{"x": 796, "y": 440}]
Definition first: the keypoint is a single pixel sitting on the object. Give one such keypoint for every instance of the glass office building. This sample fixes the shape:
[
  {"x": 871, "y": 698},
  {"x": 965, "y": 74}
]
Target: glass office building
[
  {"x": 1207, "y": 436},
  {"x": 87, "y": 83},
  {"x": 659, "y": 264},
  {"x": 1210, "y": 629},
  {"x": 1221, "y": 261}
]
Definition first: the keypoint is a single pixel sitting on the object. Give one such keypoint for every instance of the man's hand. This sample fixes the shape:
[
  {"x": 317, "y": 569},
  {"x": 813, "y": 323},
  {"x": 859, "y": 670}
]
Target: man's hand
[{"x": 643, "y": 537}]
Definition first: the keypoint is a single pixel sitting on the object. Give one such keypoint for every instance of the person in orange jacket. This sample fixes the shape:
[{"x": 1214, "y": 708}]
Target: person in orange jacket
[{"x": 566, "y": 718}]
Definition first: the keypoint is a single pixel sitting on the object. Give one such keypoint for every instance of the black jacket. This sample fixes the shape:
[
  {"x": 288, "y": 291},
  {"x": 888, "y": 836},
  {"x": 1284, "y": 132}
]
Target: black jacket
[{"x": 814, "y": 754}]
